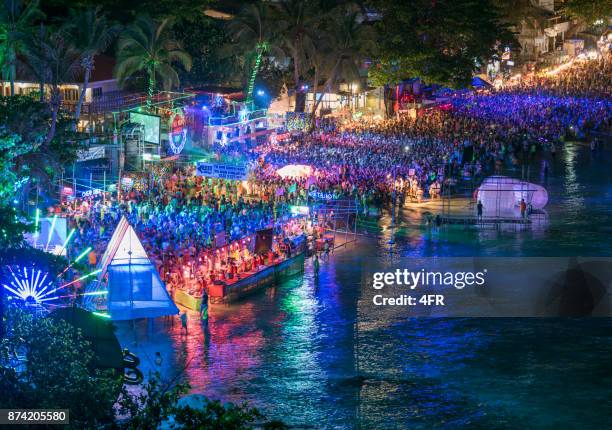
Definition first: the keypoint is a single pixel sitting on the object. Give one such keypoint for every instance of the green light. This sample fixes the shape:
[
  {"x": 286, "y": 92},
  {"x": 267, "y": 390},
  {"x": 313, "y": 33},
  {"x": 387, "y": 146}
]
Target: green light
[
  {"x": 37, "y": 219},
  {"x": 96, "y": 293},
  {"x": 81, "y": 278},
  {"x": 51, "y": 231},
  {"x": 67, "y": 240},
  {"x": 100, "y": 314},
  {"x": 83, "y": 254}
]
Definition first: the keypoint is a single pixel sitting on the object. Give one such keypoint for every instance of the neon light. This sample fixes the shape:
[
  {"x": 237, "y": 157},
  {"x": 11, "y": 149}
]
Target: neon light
[
  {"x": 100, "y": 314},
  {"x": 80, "y": 279},
  {"x": 95, "y": 293},
  {"x": 51, "y": 232},
  {"x": 83, "y": 254},
  {"x": 30, "y": 286},
  {"x": 67, "y": 240}
]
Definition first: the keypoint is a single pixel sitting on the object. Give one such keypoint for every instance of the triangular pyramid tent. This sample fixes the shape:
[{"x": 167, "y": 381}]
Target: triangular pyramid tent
[{"x": 135, "y": 289}]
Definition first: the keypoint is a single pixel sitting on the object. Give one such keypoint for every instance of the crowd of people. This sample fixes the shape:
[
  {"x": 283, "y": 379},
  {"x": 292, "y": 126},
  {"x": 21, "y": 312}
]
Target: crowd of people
[
  {"x": 424, "y": 155},
  {"x": 198, "y": 230},
  {"x": 195, "y": 230},
  {"x": 581, "y": 78}
]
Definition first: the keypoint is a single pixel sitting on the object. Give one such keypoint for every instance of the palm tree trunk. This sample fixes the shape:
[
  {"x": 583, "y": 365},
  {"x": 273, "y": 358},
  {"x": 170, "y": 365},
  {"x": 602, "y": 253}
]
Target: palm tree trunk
[
  {"x": 41, "y": 89},
  {"x": 56, "y": 100},
  {"x": 315, "y": 87},
  {"x": 326, "y": 88},
  {"x": 300, "y": 97},
  {"x": 12, "y": 73},
  {"x": 77, "y": 112},
  {"x": 151, "y": 88},
  {"x": 251, "y": 87}
]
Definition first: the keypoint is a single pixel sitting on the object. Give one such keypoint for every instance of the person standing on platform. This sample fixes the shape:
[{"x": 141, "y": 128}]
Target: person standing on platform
[
  {"x": 479, "y": 210},
  {"x": 184, "y": 322},
  {"x": 204, "y": 310}
]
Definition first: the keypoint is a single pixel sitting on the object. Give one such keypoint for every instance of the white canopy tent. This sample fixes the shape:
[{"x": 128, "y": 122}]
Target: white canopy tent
[
  {"x": 501, "y": 195},
  {"x": 135, "y": 289}
]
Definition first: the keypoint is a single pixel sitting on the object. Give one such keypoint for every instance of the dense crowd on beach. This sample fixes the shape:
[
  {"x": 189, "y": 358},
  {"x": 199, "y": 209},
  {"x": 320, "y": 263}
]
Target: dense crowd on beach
[
  {"x": 195, "y": 230},
  {"x": 473, "y": 134},
  {"x": 183, "y": 219},
  {"x": 581, "y": 78}
]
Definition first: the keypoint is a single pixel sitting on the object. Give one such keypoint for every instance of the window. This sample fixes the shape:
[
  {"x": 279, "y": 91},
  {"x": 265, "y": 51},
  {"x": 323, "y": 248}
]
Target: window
[
  {"x": 71, "y": 94},
  {"x": 96, "y": 93}
]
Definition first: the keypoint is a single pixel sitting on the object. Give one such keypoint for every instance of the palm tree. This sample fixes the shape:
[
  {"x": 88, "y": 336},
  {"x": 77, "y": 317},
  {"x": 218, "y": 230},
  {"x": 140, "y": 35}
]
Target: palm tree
[
  {"x": 148, "y": 46},
  {"x": 62, "y": 61},
  {"x": 92, "y": 34},
  {"x": 251, "y": 30},
  {"x": 338, "y": 54},
  {"x": 16, "y": 25},
  {"x": 298, "y": 22},
  {"x": 35, "y": 59}
]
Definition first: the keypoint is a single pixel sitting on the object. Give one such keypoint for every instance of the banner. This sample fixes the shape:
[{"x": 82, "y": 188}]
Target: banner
[
  {"x": 222, "y": 171},
  {"x": 91, "y": 153}
]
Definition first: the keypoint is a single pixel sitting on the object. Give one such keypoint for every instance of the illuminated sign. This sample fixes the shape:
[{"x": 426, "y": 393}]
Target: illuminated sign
[
  {"x": 322, "y": 195},
  {"x": 222, "y": 171},
  {"x": 178, "y": 134}
]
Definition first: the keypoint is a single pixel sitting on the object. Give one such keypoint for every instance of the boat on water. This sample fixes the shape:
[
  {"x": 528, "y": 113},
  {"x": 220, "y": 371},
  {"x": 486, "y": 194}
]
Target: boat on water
[
  {"x": 229, "y": 291},
  {"x": 224, "y": 292}
]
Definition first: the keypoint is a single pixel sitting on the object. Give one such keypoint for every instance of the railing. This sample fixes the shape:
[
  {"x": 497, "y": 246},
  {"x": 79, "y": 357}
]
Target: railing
[{"x": 119, "y": 101}]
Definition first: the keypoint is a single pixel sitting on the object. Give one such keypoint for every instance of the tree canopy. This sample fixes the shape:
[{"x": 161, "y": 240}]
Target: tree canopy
[{"x": 441, "y": 41}]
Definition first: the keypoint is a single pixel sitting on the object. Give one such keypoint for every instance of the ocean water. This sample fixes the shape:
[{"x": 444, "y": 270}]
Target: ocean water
[{"x": 313, "y": 353}]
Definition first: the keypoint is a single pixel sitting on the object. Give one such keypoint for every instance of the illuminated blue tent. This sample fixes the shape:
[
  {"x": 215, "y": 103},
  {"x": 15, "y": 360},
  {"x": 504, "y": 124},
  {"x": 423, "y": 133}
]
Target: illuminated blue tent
[{"x": 134, "y": 287}]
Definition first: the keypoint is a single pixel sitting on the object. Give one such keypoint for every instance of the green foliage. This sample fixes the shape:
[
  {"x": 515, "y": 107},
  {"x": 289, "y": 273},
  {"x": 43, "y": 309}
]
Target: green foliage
[
  {"x": 45, "y": 363},
  {"x": 12, "y": 228},
  {"x": 148, "y": 46},
  {"x": 202, "y": 38},
  {"x": 591, "y": 11},
  {"x": 216, "y": 416},
  {"x": 440, "y": 41},
  {"x": 149, "y": 407},
  {"x": 16, "y": 26},
  {"x": 157, "y": 405},
  {"x": 24, "y": 149}
]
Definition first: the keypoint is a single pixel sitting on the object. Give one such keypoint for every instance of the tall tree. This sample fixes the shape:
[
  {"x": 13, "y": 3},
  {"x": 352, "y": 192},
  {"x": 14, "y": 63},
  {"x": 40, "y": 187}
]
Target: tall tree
[
  {"x": 297, "y": 22},
  {"x": 252, "y": 31},
  {"x": 595, "y": 13},
  {"x": 148, "y": 46},
  {"x": 92, "y": 34},
  {"x": 62, "y": 60},
  {"x": 205, "y": 38},
  {"x": 336, "y": 53},
  {"x": 441, "y": 41},
  {"x": 16, "y": 26}
]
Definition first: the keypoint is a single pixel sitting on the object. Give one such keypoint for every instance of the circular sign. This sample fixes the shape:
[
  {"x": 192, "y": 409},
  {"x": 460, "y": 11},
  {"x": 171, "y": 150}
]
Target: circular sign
[{"x": 178, "y": 133}]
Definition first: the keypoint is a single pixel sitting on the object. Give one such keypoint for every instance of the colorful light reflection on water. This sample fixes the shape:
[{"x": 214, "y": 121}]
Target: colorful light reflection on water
[{"x": 313, "y": 353}]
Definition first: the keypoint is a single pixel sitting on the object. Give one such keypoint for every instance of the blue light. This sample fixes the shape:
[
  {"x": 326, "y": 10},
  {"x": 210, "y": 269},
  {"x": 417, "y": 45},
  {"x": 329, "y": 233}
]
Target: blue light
[
  {"x": 31, "y": 287},
  {"x": 260, "y": 93}
]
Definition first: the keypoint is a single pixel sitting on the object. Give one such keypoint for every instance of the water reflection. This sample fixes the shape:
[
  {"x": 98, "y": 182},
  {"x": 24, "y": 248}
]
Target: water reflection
[{"x": 316, "y": 354}]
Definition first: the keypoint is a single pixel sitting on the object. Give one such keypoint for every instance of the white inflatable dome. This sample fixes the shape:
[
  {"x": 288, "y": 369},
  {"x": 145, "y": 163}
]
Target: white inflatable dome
[
  {"x": 501, "y": 195},
  {"x": 295, "y": 171}
]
